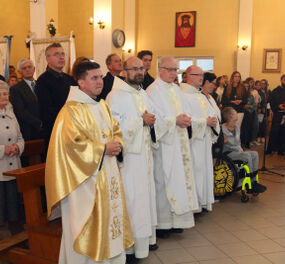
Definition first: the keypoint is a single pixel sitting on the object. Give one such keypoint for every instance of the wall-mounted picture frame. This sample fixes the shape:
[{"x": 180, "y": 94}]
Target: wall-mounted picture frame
[
  {"x": 272, "y": 60},
  {"x": 185, "y": 29}
]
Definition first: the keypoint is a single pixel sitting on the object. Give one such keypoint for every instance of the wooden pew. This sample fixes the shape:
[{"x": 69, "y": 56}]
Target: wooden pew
[
  {"x": 40, "y": 242},
  {"x": 33, "y": 150},
  {"x": 43, "y": 236}
]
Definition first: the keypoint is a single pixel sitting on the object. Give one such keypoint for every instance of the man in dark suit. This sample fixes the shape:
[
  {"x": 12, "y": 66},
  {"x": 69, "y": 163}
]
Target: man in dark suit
[
  {"x": 52, "y": 88},
  {"x": 146, "y": 57},
  {"x": 115, "y": 66},
  {"x": 277, "y": 103},
  {"x": 25, "y": 103}
]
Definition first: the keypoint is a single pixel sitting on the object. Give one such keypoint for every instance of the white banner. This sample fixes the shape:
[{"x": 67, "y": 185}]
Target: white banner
[
  {"x": 37, "y": 52},
  {"x": 3, "y": 54}
]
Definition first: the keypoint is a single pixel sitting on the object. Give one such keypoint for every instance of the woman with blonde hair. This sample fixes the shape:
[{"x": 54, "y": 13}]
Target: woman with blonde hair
[{"x": 235, "y": 96}]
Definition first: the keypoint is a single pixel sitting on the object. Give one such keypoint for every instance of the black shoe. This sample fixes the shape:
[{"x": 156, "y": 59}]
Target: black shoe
[
  {"x": 153, "y": 247},
  {"x": 162, "y": 233},
  {"x": 131, "y": 259},
  {"x": 260, "y": 187},
  {"x": 176, "y": 230},
  {"x": 204, "y": 210},
  {"x": 257, "y": 188}
]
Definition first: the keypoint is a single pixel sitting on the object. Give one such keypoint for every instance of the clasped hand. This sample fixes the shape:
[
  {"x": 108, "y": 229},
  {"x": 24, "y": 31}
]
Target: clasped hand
[
  {"x": 183, "y": 120},
  {"x": 236, "y": 102},
  {"x": 211, "y": 121},
  {"x": 282, "y": 106},
  {"x": 148, "y": 118},
  {"x": 113, "y": 148},
  {"x": 11, "y": 150}
]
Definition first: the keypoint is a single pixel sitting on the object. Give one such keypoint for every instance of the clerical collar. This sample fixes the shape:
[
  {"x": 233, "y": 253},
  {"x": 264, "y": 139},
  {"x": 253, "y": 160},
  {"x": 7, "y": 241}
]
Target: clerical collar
[
  {"x": 140, "y": 87},
  {"x": 55, "y": 73},
  {"x": 97, "y": 99}
]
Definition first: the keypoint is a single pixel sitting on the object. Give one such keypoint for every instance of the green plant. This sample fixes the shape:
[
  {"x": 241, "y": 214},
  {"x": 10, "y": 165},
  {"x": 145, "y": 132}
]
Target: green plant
[{"x": 51, "y": 28}]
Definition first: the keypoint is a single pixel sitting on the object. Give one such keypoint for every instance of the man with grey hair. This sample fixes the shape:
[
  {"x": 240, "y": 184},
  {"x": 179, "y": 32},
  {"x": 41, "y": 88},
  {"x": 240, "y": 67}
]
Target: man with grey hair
[
  {"x": 52, "y": 88},
  {"x": 115, "y": 66},
  {"x": 175, "y": 187},
  {"x": 25, "y": 103}
]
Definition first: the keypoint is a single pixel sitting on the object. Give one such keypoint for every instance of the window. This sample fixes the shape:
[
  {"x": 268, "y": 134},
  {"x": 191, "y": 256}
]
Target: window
[
  {"x": 206, "y": 63},
  {"x": 184, "y": 64}
]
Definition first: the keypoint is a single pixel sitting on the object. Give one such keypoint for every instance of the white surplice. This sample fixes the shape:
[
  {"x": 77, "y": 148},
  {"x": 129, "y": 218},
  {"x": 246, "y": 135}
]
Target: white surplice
[
  {"x": 128, "y": 105},
  {"x": 175, "y": 185},
  {"x": 200, "y": 108}
]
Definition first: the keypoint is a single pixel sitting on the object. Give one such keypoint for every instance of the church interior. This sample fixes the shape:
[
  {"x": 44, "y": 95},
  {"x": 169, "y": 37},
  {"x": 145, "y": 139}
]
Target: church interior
[{"x": 230, "y": 35}]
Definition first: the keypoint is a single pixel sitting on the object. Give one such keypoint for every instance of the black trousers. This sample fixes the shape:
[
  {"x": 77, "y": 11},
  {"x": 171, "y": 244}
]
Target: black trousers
[{"x": 277, "y": 134}]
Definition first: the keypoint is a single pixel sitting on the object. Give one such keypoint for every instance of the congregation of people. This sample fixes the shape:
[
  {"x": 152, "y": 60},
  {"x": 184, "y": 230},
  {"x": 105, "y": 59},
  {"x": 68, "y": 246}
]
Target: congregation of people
[{"x": 128, "y": 157}]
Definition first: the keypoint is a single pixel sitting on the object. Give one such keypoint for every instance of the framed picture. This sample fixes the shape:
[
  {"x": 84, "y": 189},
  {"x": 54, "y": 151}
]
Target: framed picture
[
  {"x": 185, "y": 29},
  {"x": 272, "y": 60}
]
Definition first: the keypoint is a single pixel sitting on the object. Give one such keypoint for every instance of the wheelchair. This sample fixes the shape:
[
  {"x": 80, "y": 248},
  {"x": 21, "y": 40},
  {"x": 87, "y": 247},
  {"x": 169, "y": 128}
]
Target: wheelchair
[{"x": 233, "y": 175}]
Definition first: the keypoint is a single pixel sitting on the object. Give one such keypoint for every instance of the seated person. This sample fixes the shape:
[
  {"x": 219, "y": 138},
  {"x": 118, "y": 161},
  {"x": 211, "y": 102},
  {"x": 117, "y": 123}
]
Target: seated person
[{"x": 232, "y": 145}]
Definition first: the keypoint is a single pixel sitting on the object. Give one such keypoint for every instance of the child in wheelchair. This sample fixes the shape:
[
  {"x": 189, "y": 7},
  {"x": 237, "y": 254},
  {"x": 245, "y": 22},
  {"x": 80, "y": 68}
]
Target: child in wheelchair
[{"x": 232, "y": 148}]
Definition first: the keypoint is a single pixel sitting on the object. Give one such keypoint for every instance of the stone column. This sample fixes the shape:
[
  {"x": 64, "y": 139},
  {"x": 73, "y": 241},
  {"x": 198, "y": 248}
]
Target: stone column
[{"x": 244, "y": 37}]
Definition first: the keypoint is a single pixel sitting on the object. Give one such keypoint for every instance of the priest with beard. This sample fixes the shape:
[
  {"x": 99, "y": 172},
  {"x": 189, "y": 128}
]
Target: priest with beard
[
  {"x": 174, "y": 182},
  {"x": 133, "y": 110}
]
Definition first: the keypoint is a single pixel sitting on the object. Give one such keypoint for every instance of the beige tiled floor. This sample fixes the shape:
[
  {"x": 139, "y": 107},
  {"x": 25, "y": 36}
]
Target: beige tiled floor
[{"x": 234, "y": 232}]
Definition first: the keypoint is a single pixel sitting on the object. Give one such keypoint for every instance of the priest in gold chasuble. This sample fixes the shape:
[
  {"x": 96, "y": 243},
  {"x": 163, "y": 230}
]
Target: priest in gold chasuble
[{"x": 83, "y": 181}]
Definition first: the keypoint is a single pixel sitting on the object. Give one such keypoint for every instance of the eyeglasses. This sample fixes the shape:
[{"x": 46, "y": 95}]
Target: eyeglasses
[
  {"x": 136, "y": 69},
  {"x": 214, "y": 83},
  {"x": 197, "y": 74},
  {"x": 170, "y": 69}
]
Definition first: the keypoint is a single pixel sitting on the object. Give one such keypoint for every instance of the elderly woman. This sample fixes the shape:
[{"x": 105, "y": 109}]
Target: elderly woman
[{"x": 11, "y": 147}]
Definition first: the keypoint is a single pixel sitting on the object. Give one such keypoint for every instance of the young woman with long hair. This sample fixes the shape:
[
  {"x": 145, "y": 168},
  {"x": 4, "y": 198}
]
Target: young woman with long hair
[{"x": 235, "y": 96}]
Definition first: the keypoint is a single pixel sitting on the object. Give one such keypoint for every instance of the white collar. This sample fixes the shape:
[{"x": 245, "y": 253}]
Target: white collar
[
  {"x": 123, "y": 86},
  {"x": 7, "y": 111},
  {"x": 77, "y": 95},
  {"x": 187, "y": 88}
]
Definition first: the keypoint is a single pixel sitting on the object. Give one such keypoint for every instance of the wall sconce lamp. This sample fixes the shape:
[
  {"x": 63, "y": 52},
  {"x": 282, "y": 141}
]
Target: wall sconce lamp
[
  {"x": 91, "y": 20},
  {"x": 101, "y": 24},
  {"x": 244, "y": 46},
  {"x": 127, "y": 50}
]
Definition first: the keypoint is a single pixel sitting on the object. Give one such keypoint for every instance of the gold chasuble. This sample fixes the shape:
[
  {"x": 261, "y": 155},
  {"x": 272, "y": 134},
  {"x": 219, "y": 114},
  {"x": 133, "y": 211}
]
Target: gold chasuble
[{"x": 75, "y": 155}]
